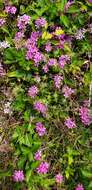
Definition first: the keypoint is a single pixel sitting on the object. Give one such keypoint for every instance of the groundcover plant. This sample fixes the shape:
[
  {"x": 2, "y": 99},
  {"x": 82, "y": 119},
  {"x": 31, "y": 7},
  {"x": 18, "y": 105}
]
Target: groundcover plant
[{"x": 46, "y": 69}]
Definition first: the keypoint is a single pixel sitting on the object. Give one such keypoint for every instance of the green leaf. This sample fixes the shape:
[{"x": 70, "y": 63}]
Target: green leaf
[
  {"x": 34, "y": 165},
  {"x": 21, "y": 162},
  {"x": 28, "y": 175},
  {"x": 90, "y": 185},
  {"x": 25, "y": 150},
  {"x": 64, "y": 19},
  {"x": 10, "y": 54},
  {"x": 4, "y": 174},
  {"x": 26, "y": 115},
  {"x": 70, "y": 160},
  {"x": 87, "y": 174},
  {"x": 62, "y": 5},
  {"x": 67, "y": 174},
  {"x": 28, "y": 140},
  {"x": 73, "y": 9}
]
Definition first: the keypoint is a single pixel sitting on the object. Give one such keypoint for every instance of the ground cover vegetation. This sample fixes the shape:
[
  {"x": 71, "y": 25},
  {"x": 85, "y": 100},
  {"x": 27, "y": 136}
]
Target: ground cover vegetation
[{"x": 46, "y": 95}]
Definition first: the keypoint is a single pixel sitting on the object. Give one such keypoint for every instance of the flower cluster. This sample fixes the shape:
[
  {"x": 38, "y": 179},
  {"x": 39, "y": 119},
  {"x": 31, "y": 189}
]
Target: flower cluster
[
  {"x": 48, "y": 47},
  {"x": 2, "y": 22},
  {"x": 63, "y": 60},
  {"x": 85, "y": 115},
  {"x": 70, "y": 123},
  {"x": 80, "y": 34},
  {"x": 57, "y": 81},
  {"x": 33, "y": 52},
  {"x": 67, "y": 91},
  {"x": 10, "y": 9},
  {"x": 40, "y": 22},
  {"x": 79, "y": 187},
  {"x": 40, "y": 107},
  {"x": 33, "y": 91},
  {"x": 18, "y": 176},
  {"x": 40, "y": 129},
  {"x": 38, "y": 155},
  {"x": 43, "y": 168},
  {"x": 52, "y": 62},
  {"x": 23, "y": 21},
  {"x": 59, "y": 178},
  {"x": 19, "y": 35}
]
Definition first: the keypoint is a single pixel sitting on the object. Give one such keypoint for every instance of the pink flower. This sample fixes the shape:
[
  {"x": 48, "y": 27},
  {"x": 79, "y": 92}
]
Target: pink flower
[
  {"x": 52, "y": 62},
  {"x": 85, "y": 115},
  {"x": 67, "y": 91},
  {"x": 48, "y": 47},
  {"x": 2, "y": 22},
  {"x": 40, "y": 107},
  {"x": 57, "y": 81},
  {"x": 79, "y": 187},
  {"x": 38, "y": 155},
  {"x": 59, "y": 178},
  {"x": 40, "y": 129},
  {"x": 38, "y": 57},
  {"x": 45, "y": 68},
  {"x": 18, "y": 175},
  {"x": 63, "y": 60},
  {"x": 40, "y": 22},
  {"x": 19, "y": 35},
  {"x": 80, "y": 34},
  {"x": 32, "y": 41},
  {"x": 70, "y": 123},
  {"x": 90, "y": 1},
  {"x": 23, "y": 21},
  {"x": 10, "y": 9},
  {"x": 33, "y": 91},
  {"x": 13, "y": 10},
  {"x": 43, "y": 168}
]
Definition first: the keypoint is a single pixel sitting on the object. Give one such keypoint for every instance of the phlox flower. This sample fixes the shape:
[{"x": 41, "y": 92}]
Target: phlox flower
[
  {"x": 48, "y": 47},
  {"x": 40, "y": 107},
  {"x": 22, "y": 21},
  {"x": 38, "y": 155},
  {"x": 52, "y": 62},
  {"x": 10, "y": 9},
  {"x": 40, "y": 22},
  {"x": 63, "y": 60},
  {"x": 85, "y": 115},
  {"x": 70, "y": 123},
  {"x": 18, "y": 176},
  {"x": 57, "y": 81},
  {"x": 79, "y": 187},
  {"x": 80, "y": 34},
  {"x": 43, "y": 168},
  {"x": 2, "y": 21},
  {"x": 67, "y": 91},
  {"x": 33, "y": 91},
  {"x": 90, "y": 1},
  {"x": 40, "y": 129},
  {"x": 19, "y": 35},
  {"x": 45, "y": 68},
  {"x": 59, "y": 178}
]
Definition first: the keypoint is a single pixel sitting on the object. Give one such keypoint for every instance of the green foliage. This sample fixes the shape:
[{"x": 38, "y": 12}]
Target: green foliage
[{"x": 68, "y": 151}]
